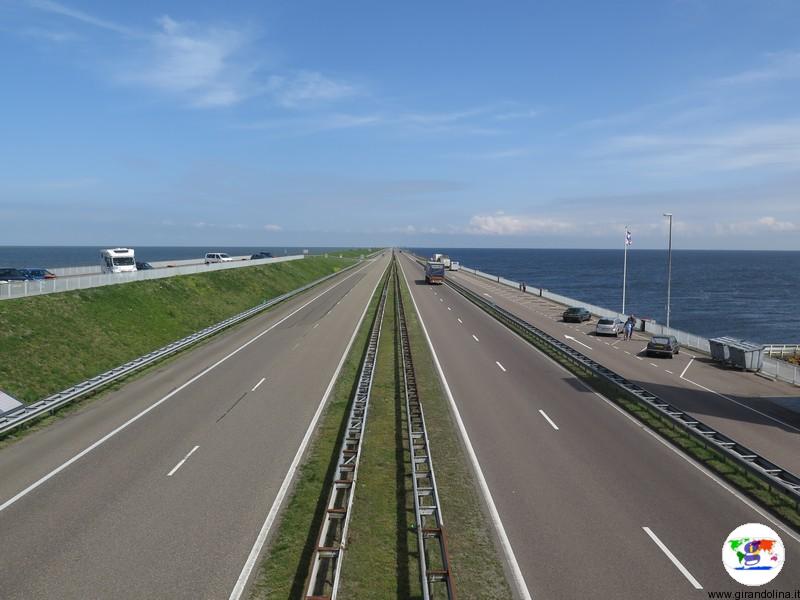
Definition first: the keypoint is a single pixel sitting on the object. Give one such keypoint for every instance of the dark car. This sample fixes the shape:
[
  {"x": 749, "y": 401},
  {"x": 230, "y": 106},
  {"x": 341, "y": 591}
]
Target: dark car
[
  {"x": 8, "y": 274},
  {"x": 576, "y": 314},
  {"x": 259, "y": 255},
  {"x": 663, "y": 345},
  {"x": 143, "y": 266},
  {"x": 38, "y": 273}
]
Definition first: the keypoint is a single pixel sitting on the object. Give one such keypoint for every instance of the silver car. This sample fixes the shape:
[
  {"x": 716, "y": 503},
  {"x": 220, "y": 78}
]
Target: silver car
[{"x": 607, "y": 326}]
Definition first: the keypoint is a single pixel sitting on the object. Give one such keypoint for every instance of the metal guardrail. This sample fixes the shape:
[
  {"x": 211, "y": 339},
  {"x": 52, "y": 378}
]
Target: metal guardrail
[
  {"x": 326, "y": 562},
  {"x": 776, "y": 477},
  {"x": 434, "y": 562},
  {"x": 11, "y": 420}
]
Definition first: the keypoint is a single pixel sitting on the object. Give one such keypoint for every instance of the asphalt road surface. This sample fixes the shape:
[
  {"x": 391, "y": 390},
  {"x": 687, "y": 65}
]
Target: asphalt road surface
[
  {"x": 169, "y": 505},
  {"x": 748, "y": 408},
  {"x": 594, "y": 505}
]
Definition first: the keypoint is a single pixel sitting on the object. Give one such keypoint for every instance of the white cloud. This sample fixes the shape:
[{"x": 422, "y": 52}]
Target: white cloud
[
  {"x": 774, "y": 144},
  {"x": 272, "y": 227},
  {"x": 502, "y": 224},
  {"x": 780, "y": 66},
  {"x": 60, "y": 9},
  {"x": 522, "y": 114},
  {"x": 199, "y": 64},
  {"x": 774, "y": 224},
  {"x": 308, "y": 87}
]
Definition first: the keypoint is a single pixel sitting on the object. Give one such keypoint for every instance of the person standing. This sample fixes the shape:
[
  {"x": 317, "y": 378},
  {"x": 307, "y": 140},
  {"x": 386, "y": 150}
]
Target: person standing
[{"x": 629, "y": 324}]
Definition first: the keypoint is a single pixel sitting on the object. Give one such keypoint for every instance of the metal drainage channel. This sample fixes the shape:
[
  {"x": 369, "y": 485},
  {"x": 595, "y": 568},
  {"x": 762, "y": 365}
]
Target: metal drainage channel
[
  {"x": 431, "y": 537},
  {"x": 326, "y": 563},
  {"x": 777, "y": 477},
  {"x": 15, "y": 418}
]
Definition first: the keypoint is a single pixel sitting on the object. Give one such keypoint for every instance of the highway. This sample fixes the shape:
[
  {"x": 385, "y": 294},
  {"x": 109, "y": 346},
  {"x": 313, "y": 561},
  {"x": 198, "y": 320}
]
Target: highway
[
  {"x": 160, "y": 489},
  {"x": 744, "y": 406},
  {"x": 592, "y": 503}
]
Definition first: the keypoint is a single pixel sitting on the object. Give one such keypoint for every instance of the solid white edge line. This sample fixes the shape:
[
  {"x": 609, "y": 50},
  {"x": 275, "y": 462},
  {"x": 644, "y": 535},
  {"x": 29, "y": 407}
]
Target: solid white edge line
[
  {"x": 255, "y": 387},
  {"x": 549, "y": 420},
  {"x": 177, "y": 390},
  {"x": 519, "y": 580},
  {"x": 261, "y": 539},
  {"x": 674, "y": 560},
  {"x": 502, "y": 368},
  {"x": 180, "y": 464},
  {"x": 729, "y": 399}
]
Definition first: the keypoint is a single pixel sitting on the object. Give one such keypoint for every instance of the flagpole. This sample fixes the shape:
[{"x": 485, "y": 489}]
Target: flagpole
[{"x": 625, "y": 269}]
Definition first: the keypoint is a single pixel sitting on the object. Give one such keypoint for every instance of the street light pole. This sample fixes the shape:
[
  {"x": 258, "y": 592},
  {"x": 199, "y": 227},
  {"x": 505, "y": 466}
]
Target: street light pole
[{"x": 669, "y": 265}]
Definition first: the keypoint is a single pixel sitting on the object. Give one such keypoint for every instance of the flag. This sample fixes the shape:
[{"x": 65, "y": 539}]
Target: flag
[{"x": 628, "y": 241}]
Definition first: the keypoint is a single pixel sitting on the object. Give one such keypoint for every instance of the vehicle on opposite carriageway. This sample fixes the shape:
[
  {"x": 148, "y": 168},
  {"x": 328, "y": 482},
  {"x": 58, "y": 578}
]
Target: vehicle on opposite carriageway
[
  {"x": 118, "y": 260},
  {"x": 576, "y": 314},
  {"x": 609, "y": 326},
  {"x": 663, "y": 345}
]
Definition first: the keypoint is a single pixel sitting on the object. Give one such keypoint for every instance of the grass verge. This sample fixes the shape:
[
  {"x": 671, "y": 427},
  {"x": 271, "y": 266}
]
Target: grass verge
[
  {"x": 48, "y": 343},
  {"x": 475, "y": 558},
  {"x": 705, "y": 453},
  {"x": 381, "y": 558},
  {"x": 285, "y": 566}
]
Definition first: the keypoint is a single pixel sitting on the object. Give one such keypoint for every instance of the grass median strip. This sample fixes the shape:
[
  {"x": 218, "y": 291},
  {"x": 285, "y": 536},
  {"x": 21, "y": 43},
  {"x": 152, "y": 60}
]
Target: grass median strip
[
  {"x": 380, "y": 561},
  {"x": 285, "y": 567},
  {"x": 474, "y": 555}
]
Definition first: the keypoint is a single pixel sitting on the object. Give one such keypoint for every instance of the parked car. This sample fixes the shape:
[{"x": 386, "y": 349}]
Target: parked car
[
  {"x": 217, "y": 257},
  {"x": 38, "y": 273},
  {"x": 663, "y": 345},
  {"x": 609, "y": 326},
  {"x": 9, "y": 274},
  {"x": 576, "y": 314},
  {"x": 259, "y": 255},
  {"x": 143, "y": 266}
]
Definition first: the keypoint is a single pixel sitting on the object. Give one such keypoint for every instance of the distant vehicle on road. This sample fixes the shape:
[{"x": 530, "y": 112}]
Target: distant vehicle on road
[
  {"x": 576, "y": 314},
  {"x": 143, "y": 266},
  {"x": 663, "y": 345},
  {"x": 455, "y": 265},
  {"x": 38, "y": 273},
  {"x": 8, "y": 274},
  {"x": 609, "y": 326},
  {"x": 217, "y": 257},
  {"x": 259, "y": 255},
  {"x": 118, "y": 260},
  {"x": 434, "y": 273}
]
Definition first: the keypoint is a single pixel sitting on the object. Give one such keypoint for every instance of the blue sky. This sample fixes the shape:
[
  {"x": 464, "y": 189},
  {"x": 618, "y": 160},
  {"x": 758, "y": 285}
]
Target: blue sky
[{"x": 472, "y": 123}]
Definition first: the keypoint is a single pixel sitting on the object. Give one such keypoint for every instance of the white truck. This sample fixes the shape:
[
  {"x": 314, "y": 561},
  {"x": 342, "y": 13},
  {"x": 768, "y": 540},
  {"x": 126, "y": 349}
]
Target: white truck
[
  {"x": 117, "y": 260},
  {"x": 441, "y": 258},
  {"x": 455, "y": 265}
]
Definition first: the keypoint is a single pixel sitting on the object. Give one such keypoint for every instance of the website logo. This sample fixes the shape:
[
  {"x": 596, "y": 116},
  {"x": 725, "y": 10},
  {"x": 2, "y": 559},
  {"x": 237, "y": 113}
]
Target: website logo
[{"x": 753, "y": 554}]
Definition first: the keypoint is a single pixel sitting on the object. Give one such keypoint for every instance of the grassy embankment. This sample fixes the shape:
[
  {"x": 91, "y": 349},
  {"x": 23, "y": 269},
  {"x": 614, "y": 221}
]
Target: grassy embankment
[
  {"x": 381, "y": 560},
  {"x": 704, "y": 452},
  {"x": 50, "y": 342}
]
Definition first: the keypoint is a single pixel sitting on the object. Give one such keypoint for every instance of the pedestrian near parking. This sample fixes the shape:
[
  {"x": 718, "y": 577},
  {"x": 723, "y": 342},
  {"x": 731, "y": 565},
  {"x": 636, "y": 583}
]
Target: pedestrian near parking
[{"x": 629, "y": 327}]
